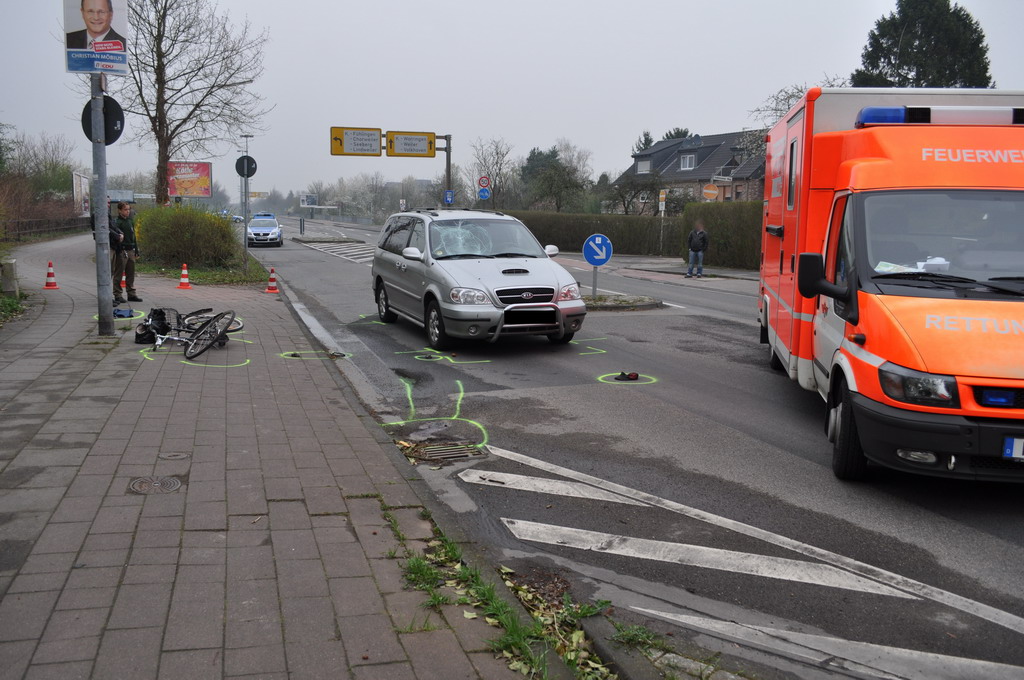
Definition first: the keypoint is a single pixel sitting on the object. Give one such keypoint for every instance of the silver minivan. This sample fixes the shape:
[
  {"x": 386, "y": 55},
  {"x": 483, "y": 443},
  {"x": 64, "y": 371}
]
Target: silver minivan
[{"x": 472, "y": 274}]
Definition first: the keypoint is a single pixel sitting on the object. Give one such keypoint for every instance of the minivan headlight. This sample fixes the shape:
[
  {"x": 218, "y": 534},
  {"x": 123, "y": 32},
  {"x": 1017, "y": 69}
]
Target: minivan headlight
[
  {"x": 570, "y": 292},
  {"x": 468, "y": 296},
  {"x": 915, "y": 387}
]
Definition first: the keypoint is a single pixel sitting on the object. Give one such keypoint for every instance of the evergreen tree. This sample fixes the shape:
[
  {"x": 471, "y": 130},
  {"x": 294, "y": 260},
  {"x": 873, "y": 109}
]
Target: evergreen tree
[
  {"x": 925, "y": 43},
  {"x": 643, "y": 142},
  {"x": 676, "y": 133}
]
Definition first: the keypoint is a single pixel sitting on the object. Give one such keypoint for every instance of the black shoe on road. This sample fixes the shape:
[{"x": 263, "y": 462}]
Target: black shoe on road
[{"x": 134, "y": 298}]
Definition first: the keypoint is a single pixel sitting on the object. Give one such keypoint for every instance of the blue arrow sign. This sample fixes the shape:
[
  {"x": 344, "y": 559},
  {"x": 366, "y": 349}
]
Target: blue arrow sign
[
  {"x": 597, "y": 249},
  {"x": 449, "y": 197},
  {"x": 484, "y": 193}
]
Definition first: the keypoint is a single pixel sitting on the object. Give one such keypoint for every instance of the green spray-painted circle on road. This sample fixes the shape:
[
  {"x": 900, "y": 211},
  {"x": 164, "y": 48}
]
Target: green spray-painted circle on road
[{"x": 609, "y": 379}]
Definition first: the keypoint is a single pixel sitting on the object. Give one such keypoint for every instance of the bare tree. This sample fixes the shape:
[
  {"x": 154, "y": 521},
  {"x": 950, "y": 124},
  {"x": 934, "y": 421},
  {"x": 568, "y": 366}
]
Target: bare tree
[
  {"x": 492, "y": 158},
  {"x": 775, "y": 105},
  {"x": 190, "y": 70}
]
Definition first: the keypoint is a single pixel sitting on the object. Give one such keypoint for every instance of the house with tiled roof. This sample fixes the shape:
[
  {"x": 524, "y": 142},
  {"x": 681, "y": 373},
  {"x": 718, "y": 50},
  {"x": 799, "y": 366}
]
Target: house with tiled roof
[{"x": 732, "y": 162}]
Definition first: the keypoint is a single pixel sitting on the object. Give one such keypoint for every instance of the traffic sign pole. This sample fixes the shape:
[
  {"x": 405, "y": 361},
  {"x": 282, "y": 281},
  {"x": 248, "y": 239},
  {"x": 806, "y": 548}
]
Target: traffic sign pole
[{"x": 597, "y": 250}]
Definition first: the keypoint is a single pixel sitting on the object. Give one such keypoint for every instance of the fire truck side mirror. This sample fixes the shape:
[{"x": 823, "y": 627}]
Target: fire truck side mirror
[{"x": 810, "y": 278}]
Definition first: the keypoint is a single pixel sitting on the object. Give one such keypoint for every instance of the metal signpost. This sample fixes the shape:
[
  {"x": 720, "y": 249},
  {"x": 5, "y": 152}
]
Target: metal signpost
[
  {"x": 364, "y": 141},
  {"x": 97, "y": 52},
  {"x": 597, "y": 250}
]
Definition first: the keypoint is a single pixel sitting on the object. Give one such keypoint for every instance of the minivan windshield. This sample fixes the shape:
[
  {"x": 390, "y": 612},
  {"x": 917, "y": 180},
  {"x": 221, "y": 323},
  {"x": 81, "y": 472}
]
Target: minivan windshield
[
  {"x": 945, "y": 237},
  {"x": 482, "y": 238}
]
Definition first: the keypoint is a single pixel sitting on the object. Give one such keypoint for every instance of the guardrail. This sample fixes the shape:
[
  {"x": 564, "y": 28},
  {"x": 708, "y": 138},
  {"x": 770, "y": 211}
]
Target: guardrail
[{"x": 22, "y": 230}]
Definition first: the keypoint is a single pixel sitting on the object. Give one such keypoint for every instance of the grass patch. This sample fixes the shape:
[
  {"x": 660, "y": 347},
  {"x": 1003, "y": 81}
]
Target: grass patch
[
  {"x": 233, "y": 273},
  {"x": 10, "y": 308}
]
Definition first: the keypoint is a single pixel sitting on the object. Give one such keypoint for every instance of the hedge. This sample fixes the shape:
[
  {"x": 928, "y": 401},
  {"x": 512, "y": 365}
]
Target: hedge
[{"x": 734, "y": 231}]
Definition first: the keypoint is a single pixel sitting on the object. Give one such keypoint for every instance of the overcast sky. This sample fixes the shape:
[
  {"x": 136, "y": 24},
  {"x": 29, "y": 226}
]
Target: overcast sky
[{"x": 597, "y": 72}]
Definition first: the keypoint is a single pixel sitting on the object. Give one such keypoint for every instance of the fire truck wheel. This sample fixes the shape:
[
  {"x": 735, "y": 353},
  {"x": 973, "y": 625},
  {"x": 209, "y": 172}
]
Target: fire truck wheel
[
  {"x": 848, "y": 461},
  {"x": 774, "y": 362}
]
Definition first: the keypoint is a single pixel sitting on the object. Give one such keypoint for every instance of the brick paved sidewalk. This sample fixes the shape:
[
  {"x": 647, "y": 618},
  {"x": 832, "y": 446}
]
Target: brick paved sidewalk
[{"x": 258, "y": 547}]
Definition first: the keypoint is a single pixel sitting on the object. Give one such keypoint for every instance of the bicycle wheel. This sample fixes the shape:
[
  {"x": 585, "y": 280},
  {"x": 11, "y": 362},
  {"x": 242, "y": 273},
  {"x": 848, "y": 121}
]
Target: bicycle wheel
[
  {"x": 207, "y": 334},
  {"x": 194, "y": 320}
]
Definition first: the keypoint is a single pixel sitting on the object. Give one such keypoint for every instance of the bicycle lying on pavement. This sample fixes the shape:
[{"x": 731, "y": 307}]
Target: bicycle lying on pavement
[{"x": 198, "y": 331}]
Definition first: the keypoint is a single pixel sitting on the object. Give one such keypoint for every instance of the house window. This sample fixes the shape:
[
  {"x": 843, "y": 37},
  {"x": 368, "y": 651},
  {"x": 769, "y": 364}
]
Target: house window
[
  {"x": 687, "y": 162},
  {"x": 643, "y": 167}
]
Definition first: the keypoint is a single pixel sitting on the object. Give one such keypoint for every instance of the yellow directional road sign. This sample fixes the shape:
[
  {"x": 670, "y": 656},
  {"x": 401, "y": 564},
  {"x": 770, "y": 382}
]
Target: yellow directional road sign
[
  {"x": 419, "y": 144},
  {"x": 349, "y": 141}
]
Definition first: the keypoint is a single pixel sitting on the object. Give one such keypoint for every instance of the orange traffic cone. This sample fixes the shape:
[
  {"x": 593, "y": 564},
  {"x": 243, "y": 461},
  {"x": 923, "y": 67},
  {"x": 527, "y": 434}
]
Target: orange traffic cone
[
  {"x": 124, "y": 284},
  {"x": 184, "y": 284},
  {"x": 272, "y": 284},
  {"x": 51, "y": 280}
]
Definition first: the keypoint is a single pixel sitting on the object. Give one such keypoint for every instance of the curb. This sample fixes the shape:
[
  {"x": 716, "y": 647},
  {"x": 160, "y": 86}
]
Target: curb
[
  {"x": 642, "y": 303},
  {"x": 626, "y": 662}
]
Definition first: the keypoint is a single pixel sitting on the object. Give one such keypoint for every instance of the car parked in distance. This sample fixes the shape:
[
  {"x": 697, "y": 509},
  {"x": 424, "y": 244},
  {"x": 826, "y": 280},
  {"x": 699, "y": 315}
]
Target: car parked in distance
[
  {"x": 472, "y": 274},
  {"x": 264, "y": 231}
]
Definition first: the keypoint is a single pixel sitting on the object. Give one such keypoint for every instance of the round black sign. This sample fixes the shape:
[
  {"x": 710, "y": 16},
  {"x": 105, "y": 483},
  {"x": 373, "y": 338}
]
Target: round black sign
[
  {"x": 113, "y": 120},
  {"x": 245, "y": 166}
]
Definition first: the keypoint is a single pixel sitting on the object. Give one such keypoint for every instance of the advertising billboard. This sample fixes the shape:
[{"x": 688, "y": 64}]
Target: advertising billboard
[
  {"x": 94, "y": 38},
  {"x": 307, "y": 200},
  {"x": 189, "y": 179}
]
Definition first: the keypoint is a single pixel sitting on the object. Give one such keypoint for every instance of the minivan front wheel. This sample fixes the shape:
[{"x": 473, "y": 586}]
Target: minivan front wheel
[
  {"x": 383, "y": 308},
  {"x": 436, "y": 334}
]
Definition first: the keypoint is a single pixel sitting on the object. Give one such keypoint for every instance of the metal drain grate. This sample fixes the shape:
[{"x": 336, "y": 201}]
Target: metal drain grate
[
  {"x": 148, "y": 485},
  {"x": 440, "y": 452}
]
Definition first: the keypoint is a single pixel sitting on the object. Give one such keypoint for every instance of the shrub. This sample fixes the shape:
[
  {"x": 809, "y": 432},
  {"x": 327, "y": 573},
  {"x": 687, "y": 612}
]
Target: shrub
[
  {"x": 734, "y": 230},
  {"x": 172, "y": 236}
]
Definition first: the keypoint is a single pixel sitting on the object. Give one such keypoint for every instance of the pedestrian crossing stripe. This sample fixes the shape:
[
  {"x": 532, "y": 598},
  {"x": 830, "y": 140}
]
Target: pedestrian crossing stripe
[
  {"x": 360, "y": 253},
  {"x": 542, "y": 485},
  {"x": 783, "y": 568},
  {"x": 881, "y": 576},
  {"x": 863, "y": 658}
]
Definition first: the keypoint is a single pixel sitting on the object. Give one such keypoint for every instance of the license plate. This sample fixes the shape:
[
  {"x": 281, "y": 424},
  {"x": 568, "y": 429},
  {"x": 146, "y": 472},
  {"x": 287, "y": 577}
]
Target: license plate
[{"x": 1013, "y": 447}]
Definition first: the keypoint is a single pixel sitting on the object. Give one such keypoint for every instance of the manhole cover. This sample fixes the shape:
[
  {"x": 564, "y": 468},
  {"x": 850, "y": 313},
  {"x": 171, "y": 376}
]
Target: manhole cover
[
  {"x": 146, "y": 485},
  {"x": 174, "y": 455},
  {"x": 440, "y": 452}
]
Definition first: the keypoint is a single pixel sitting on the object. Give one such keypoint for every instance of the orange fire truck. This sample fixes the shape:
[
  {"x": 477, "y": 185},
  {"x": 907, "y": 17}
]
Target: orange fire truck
[{"x": 892, "y": 275}]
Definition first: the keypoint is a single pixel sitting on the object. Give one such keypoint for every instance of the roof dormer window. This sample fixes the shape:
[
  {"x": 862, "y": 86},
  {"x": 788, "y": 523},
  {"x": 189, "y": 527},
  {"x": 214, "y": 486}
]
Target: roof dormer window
[
  {"x": 643, "y": 167},
  {"x": 687, "y": 162}
]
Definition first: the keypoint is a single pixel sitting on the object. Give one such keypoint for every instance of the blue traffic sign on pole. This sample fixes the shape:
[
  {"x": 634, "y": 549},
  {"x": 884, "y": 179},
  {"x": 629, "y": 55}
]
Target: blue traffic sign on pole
[
  {"x": 449, "y": 197},
  {"x": 597, "y": 249},
  {"x": 484, "y": 193}
]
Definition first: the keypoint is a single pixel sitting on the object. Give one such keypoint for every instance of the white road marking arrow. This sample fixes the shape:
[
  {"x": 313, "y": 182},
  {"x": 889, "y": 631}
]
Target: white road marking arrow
[
  {"x": 699, "y": 556},
  {"x": 543, "y": 485},
  {"x": 877, "y": 661}
]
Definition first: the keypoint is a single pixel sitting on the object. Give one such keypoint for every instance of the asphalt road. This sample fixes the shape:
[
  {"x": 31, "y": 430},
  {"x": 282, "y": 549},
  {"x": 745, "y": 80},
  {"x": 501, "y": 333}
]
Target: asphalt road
[{"x": 698, "y": 499}]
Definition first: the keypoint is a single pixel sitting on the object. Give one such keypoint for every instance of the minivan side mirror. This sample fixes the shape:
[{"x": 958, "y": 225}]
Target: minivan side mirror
[
  {"x": 412, "y": 253},
  {"x": 551, "y": 250},
  {"x": 810, "y": 278}
]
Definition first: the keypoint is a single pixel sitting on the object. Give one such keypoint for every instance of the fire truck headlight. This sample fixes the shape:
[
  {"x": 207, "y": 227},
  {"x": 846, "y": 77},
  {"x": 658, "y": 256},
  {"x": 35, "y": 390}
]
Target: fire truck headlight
[{"x": 915, "y": 387}]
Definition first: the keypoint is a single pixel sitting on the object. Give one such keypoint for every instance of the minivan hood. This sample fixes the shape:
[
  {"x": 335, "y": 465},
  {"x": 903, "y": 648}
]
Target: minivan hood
[
  {"x": 505, "y": 272},
  {"x": 978, "y": 338}
]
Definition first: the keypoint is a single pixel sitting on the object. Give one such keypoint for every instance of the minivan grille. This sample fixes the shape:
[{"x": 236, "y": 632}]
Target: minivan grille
[{"x": 512, "y": 296}]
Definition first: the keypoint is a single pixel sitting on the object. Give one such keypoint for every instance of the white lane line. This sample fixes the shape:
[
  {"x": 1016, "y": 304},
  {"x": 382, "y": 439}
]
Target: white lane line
[
  {"x": 782, "y": 568},
  {"x": 879, "y": 661},
  {"x": 978, "y": 609},
  {"x": 542, "y": 485}
]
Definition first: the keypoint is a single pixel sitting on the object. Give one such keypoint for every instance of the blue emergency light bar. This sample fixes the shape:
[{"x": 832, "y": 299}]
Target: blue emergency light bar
[{"x": 939, "y": 115}]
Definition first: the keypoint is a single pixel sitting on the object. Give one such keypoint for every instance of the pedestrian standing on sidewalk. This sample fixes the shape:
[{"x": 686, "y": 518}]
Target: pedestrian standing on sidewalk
[
  {"x": 126, "y": 254},
  {"x": 697, "y": 243}
]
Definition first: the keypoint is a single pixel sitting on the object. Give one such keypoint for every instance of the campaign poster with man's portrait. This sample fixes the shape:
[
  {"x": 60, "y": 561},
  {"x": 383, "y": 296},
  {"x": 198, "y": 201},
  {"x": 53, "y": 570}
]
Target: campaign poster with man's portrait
[{"x": 95, "y": 36}]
